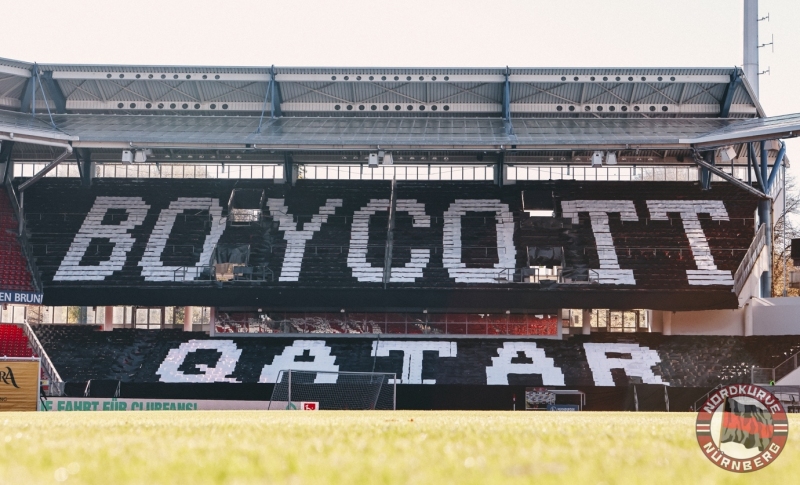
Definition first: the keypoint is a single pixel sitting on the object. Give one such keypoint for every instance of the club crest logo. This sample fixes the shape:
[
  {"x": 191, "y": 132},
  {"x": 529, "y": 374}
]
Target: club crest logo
[{"x": 742, "y": 428}]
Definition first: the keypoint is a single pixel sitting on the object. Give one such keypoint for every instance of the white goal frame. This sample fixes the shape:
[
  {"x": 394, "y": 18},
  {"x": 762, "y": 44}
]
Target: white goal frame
[{"x": 384, "y": 379}]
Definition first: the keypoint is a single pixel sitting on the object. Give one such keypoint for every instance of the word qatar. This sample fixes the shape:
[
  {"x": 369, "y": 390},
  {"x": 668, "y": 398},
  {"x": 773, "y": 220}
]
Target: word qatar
[{"x": 483, "y": 362}]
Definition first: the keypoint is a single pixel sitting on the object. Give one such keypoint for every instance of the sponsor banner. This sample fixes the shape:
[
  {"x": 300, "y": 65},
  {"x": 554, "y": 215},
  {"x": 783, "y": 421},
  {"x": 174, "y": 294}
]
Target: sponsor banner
[
  {"x": 20, "y": 297},
  {"x": 19, "y": 385},
  {"x": 563, "y": 407},
  {"x": 117, "y": 404},
  {"x": 309, "y": 405}
]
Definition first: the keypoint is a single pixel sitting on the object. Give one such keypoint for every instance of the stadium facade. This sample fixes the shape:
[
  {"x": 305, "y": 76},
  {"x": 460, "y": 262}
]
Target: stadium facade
[{"x": 456, "y": 226}]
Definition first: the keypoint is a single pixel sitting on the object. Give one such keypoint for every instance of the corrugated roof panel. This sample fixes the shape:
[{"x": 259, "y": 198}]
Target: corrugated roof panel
[{"x": 385, "y": 131}]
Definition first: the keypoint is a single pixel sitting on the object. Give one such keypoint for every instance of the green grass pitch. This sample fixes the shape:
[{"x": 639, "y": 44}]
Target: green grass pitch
[{"x": 296, "y": 447}]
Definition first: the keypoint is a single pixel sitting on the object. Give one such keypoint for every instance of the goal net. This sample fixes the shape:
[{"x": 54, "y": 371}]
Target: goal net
[{"x": 334, "y": 390}]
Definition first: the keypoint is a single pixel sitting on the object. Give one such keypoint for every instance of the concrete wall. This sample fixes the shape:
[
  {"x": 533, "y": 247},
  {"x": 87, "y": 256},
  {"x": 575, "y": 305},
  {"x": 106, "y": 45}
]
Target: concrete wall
[
  {"x": 712, "y": 322},
  {"x": 770, "y": 316},
  {"x": 752, "y": 287},
  {"x": 776, "y": 316}
]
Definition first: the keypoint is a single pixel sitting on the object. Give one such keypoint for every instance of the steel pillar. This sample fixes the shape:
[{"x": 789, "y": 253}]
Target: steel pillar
[
  {"x": 6, "y": 162},
  {"x": 705, "y": 174},
  {"x": 289, "y": 169},
  {"x": 499, "y": 169},
  {"x": 85, "y": 166},
  {"x": 765, "y": 217}
]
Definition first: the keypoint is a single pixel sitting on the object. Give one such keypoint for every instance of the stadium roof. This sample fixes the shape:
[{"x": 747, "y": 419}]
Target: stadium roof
[
  {"x": 577, "y": 92},
  {"x": 312, "y": 108}
]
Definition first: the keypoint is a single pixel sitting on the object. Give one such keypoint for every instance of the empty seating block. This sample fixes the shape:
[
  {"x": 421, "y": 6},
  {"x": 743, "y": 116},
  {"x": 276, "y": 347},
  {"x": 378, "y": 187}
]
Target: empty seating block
[
  {"x": 14, "y": 274},
  {"x": 13, "y": 342},
  {"x": 82, "y": 352}
]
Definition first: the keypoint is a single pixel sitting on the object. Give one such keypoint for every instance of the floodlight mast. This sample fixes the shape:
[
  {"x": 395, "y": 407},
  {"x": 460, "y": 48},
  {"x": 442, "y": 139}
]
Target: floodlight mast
[{"x": 750, "y": 64}]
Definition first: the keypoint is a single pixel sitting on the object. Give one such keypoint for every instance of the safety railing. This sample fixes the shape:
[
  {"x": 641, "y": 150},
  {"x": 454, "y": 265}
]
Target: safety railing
[
  {"x": 533, "y": 274},
  {"x": 56, "y": 385},
  {"x": 188, "y": 170},
  {"x": 516, "y": 219},
  {"x": 771, "y": 375},
  {"x": 749, "y": 260},
  {"x": 704, "y": 398}
]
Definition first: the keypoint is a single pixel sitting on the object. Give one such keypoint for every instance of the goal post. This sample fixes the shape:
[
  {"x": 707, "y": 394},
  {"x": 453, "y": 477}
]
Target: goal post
[{"x": 335, "y": 390}]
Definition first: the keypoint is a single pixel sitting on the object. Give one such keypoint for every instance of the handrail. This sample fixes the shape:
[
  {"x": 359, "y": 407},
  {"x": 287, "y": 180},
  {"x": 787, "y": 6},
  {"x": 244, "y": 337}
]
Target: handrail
[
  {"x": 516, "y": 218},
  {"x": 749, "y": 260},
  {"x": 773, "y": 371},
  {"x": 56, "y": 383}
]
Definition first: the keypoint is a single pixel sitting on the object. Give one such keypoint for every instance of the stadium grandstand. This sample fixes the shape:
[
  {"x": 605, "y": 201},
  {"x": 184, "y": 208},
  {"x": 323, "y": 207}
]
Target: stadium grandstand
[{"x": 472, "y": 230}]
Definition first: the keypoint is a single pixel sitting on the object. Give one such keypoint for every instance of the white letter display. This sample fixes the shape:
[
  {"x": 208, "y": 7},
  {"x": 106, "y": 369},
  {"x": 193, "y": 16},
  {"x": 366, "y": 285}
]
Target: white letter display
[
  {"x": 359, "y": 241},
  {"x": 640, "y": 363},
  {"x": 506, "y": 251},
  {"x": 296, "y": 239},
  {"x": 609, "y": 272},
  {"x": 153, "y": 268},
  {"x": 323, "y": 361},
  {"x": 92, "y": 228},
  {"x": 412, "y": 357},
  {"x": 168, "y": 370},
  {"x": 497, "y": 373},
  {"x": 706, "y": 272}
]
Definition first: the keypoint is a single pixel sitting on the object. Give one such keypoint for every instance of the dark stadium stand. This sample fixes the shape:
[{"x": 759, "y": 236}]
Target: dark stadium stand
[
  {"x": 14, "y": 274},
  {"x": 654, "y": 249},
  {"x": 321, "y": 236},
  {"x": 13, "y": 342},
  {"x": 82, "y": 352}
]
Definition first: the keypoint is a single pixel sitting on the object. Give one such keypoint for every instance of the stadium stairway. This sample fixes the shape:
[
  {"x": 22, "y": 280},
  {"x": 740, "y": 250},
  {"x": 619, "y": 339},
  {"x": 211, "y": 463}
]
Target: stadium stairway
[
  {"x": 13, "y": 342},
  {"x": 82, "y": 352},
  {"x": 14, "y": 273}
]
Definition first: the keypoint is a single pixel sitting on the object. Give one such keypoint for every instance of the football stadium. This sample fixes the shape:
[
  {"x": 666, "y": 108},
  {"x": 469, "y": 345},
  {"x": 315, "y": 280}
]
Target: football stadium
[{"x": 432, "y": 259}]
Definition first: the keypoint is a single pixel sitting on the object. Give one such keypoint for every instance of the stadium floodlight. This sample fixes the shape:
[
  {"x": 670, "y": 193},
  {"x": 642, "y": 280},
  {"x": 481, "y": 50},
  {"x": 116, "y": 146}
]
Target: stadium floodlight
[
  {"x": 373, "y": 160},
  {"x": 611, "y": 158},
  {"x": 727, "y": 154},
  {"x": 127, "y": 157},
  {"x": 597, "y": 159},
  {"x": 387, "y": 159}
]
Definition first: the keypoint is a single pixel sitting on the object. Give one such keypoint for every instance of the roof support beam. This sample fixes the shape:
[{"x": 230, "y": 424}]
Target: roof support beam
[
  {"x": 26, "y": 105},
  {"x": 751, "y": 152},
  {"x": 727, "y": 100},
  {"x": 711, "y": 168},
  {"x": 776, "y": 167},
  {"x": 41, "y": 173},
  {"x": 274, "y": 95},
  {"x": 59, "y": 100}
]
